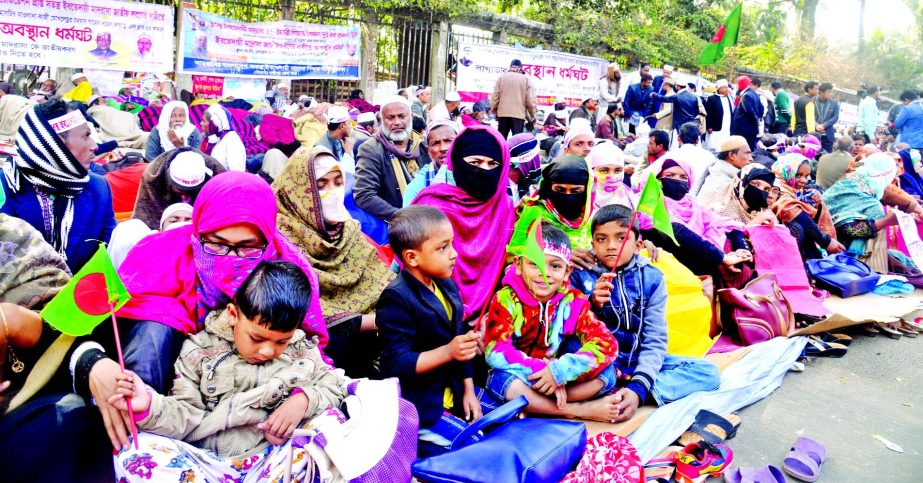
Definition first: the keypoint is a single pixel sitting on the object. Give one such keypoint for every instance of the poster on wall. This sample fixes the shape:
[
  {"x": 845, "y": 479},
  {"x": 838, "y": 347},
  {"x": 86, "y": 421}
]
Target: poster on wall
[
  {"x": 102, "y": 34},
  {"x": 215, "y": 45},
  {"x": 556, "y": 76}
]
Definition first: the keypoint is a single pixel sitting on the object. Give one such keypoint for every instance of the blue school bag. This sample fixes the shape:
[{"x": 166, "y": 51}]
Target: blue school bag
[{"x": 519, "y": 450}]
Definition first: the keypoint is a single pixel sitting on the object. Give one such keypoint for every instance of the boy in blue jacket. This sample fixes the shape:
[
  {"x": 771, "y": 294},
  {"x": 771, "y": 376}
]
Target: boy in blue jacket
[{"x": 632, "y": 303}]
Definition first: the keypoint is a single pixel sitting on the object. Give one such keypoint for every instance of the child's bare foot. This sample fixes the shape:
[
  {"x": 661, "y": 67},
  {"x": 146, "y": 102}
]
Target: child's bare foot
[{"x": 604, "y": 410}]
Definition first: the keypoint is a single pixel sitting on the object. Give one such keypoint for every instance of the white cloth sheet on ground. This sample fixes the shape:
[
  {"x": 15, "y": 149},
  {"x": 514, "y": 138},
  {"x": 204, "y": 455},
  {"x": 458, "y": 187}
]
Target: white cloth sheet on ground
[{"x": 752, "y": 378}]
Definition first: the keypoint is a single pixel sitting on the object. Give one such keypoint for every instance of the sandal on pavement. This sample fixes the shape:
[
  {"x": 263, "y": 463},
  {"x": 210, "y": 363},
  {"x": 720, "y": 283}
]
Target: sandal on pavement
[
  {"x": 697, "y": 461},
  {"x": 887, "y": 331},
  {"x": 819, "y": 348},
  {"x": 805, "y": 459},
  {"x": 711, "y": 428},
  {"x": 766, "y": 474},
  {"x": 835, "y": 338},
  {"x": 904, "y": 330}
]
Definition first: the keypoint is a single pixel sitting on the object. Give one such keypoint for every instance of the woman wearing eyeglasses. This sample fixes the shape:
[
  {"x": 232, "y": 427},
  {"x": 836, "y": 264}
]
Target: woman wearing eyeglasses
[{"x": 176, "y": 277}]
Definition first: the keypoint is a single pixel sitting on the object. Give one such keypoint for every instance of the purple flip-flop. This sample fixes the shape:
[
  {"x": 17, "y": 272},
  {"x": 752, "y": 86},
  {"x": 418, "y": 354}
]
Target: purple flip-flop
[
  {"x": 805, "y": 459},
  {"x": 766, "y": 474}
]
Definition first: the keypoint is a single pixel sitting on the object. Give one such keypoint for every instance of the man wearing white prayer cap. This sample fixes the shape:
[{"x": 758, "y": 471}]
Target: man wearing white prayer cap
[
  {"x": 339, "y": 127},
  {"x": 446, "y": 110},
  {"x": 388, "y": 161},
  {"x": 718, "y": 110}
]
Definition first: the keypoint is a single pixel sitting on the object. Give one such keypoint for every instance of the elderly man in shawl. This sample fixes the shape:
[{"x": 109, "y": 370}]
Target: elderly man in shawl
[
  {"x": 310, "y": 194},
  {"x": 173, "y": 131},
  {"x": 49, "y": 187},
  {"x": 733, "y": 155},
  {"x": 481, "y": 212},
  {"x": 388, "y": 161},
  {"x": 176, "y": 176}
]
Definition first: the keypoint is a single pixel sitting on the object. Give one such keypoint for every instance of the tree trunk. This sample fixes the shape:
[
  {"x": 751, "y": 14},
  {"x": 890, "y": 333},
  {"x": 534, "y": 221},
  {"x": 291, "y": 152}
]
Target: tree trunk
[
  {"x": 861, "y": 47},
  {"x": 808, "y": 11}
]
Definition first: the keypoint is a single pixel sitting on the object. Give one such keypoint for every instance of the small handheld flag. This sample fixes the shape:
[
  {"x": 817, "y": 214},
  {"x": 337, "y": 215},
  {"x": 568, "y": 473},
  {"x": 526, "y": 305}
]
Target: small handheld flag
[
  {"x": 95, "y": 292},
  {"x": 88, "y": 298},
  {"x": 527, "y": 241},
  {"x": 651, "y": 202}
]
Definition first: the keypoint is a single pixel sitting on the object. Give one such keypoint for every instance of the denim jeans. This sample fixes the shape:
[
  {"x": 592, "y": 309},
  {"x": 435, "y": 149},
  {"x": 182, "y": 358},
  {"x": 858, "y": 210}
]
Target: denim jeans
[
  {"x": 681, "y": 376},
  {"x": 151, "y": 349}
]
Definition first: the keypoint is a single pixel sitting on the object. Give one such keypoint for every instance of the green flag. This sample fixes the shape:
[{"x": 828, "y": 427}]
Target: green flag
[
  {"x": 726, "y": 36},
  {"x": 527, "y": 241},
  {"x": 85, "y": 301},
  {"x": 651, "y": 202}
]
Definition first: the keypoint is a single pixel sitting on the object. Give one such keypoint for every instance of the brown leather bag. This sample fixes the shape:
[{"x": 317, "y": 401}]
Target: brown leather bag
[{"x": 756, "y": 313}]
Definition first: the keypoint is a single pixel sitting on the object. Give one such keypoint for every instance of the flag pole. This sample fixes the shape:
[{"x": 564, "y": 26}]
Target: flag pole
[
  {"x": 631, "y": 223},
  {"x": 118, "y": 348}
]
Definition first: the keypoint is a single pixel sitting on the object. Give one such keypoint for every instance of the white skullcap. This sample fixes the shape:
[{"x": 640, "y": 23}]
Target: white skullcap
[
  {"x": 77, "y": 75},
  {"x": 366, "y": 117},
  {"x": 188, "y": 170},
  {"x": 395, "y": 100},
  {"x": 721, "y": 83},
  {"x": 337, "y": 114},
  {"x": 452, "y": 97}
]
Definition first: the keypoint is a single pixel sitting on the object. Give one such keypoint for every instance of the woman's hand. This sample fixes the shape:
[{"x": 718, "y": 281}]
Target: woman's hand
[
  {"x": 835, "y": 247},
  {"x": 103, "y": 385},
  {"x": 23, "y": 326},
  {"x": 763, "y": 218}
]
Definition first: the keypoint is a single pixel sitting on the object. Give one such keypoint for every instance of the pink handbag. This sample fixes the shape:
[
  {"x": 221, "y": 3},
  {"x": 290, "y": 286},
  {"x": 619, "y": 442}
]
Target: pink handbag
[{"x": 756, "y": 313}]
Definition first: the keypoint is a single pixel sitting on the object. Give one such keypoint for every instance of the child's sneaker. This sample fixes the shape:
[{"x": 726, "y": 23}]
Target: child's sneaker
[{"x": 698, "y": 461}]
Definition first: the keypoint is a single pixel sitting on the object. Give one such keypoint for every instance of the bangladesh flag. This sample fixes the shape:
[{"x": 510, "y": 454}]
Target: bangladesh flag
[
  {"x": 527, "y": 241},
  {"x": 88, "y": 298},
  {"x": 651, "y": 202},
  {"x": 726, "y": 36}
]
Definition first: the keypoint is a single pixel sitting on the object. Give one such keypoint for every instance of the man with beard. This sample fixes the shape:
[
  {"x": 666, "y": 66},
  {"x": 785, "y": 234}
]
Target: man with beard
[
  {"x": 587, "y": 110},
  {"x": 609, "y": 87},
  {"x": 388, "y": 161},
  {"x": 719, "y": 108},
  {"x": 449, "y": 110}
]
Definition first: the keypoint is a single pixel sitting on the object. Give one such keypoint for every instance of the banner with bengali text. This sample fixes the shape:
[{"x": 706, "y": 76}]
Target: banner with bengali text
[
  {"x": 216, "y": 45},
  {"x": 556, "y": 76},
  {"x": 101, "y": 34},
  {"x": 209, "y": 85}
]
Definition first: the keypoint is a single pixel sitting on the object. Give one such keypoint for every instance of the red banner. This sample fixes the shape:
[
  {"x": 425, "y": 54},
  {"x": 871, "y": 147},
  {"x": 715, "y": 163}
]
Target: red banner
[{"x": 211, "y": 86}]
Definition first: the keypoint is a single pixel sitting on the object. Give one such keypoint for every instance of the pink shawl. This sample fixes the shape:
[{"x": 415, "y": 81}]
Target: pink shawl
[
  {"x": 694, "y": 216},
  {"x": 482, "y": 229},
  {"x": 161, "y": 271}
]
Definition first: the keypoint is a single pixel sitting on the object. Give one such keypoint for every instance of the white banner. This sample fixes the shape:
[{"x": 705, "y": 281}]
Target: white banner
[
  {"x": 556, "y": 76},
  {"x": 102, "y": 34},
  {"x": 215, "y": 45}
]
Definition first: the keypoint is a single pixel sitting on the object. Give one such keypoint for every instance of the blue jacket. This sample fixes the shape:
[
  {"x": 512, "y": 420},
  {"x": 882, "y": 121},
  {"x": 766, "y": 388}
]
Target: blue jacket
[
  {"x": 93, "y": 217},
  {"x": 685, "y": 107},
  {"x": 910, "y": 123},
  {"x": 638, "y": 101},
  {"x": 411, "y": 320},
  {"x": 636, "y": 316},
  {"x": 745, "y": 121}
]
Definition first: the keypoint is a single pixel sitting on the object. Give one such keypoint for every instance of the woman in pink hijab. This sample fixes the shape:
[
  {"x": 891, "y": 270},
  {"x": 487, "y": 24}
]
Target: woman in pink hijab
[
  {"x": 481, "y": 212},
  {"x": 176, "y": 277}
]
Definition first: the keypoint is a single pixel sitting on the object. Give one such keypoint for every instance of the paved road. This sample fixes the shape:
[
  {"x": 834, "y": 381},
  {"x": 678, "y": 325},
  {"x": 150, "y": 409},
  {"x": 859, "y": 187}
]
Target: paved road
[{"x": 877, "y": 388}]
